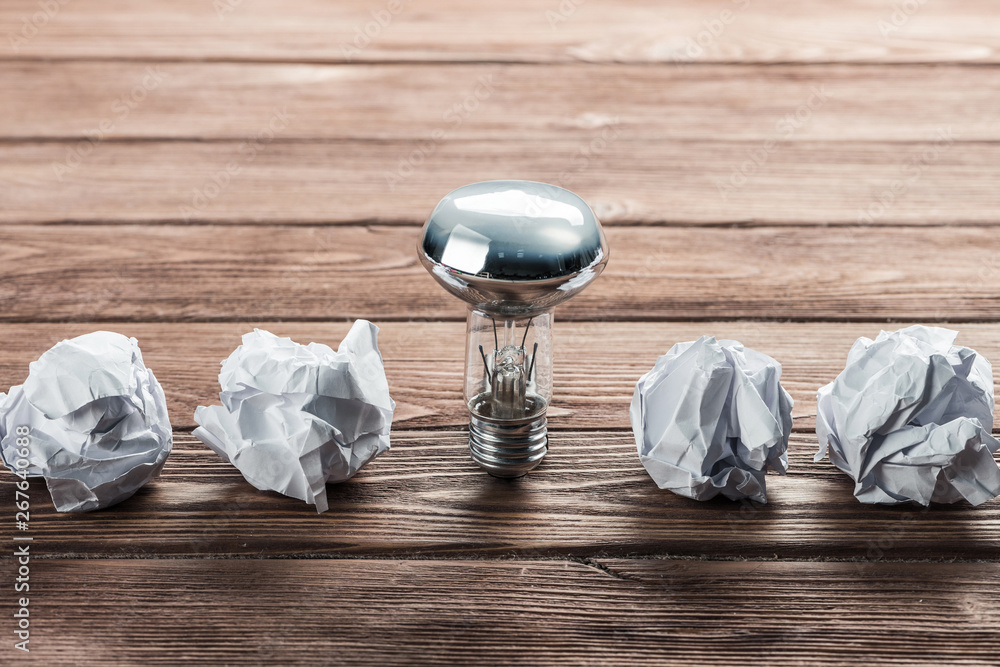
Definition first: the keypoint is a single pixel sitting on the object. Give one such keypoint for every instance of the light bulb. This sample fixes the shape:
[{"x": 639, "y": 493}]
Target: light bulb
[{"x": 512, "y": 250}]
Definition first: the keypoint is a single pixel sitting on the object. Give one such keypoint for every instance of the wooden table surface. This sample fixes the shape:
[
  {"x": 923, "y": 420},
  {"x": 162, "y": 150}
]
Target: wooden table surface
[{"x": 790, "y": 174}]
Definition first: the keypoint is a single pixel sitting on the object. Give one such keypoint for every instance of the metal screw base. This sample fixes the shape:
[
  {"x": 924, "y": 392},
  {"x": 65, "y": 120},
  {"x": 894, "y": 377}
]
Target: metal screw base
[{"x": 508, "y": 448}]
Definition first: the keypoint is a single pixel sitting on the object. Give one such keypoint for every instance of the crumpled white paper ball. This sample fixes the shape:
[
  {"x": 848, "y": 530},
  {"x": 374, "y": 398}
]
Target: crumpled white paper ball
[
  {"x": 97, "y": 418},
  {"x": 710, "y": 418},
  {"x": 294, "y": 417},
  {"x": 909, "y": 419}
]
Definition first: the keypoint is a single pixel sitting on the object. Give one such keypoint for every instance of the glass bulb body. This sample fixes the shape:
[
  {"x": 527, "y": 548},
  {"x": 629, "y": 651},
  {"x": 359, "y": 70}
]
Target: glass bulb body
[{"x": 508, "y": 386}]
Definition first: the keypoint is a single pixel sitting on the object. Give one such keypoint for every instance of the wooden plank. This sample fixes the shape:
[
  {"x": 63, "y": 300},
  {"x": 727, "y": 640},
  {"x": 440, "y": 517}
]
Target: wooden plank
[
  {"x": 172, "y": 273},
  {"x": 627, "y": 179},
  {"x": 521, "y": 612},
  {"x": 596, "y": 363},
  {"x": 764, "y": 31},
  {"x": 521, "y": 103},
  {"x": 426, "y": 497}
]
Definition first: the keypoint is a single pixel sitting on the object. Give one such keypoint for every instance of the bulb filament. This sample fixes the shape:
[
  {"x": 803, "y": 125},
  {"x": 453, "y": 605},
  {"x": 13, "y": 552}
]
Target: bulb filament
[{"x": 510, "y": 374}]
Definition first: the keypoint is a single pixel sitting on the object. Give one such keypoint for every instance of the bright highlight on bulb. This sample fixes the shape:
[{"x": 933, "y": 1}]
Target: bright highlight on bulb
[{"x": 512, "y": 250}]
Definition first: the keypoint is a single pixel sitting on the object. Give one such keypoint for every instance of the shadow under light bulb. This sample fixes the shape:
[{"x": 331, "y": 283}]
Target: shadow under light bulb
[{"x": 512, "y": 250}]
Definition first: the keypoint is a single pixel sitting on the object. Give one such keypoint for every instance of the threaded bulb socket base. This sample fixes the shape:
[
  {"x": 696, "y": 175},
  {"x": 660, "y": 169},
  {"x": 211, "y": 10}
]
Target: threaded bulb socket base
[{"x": 508, "y": 448}]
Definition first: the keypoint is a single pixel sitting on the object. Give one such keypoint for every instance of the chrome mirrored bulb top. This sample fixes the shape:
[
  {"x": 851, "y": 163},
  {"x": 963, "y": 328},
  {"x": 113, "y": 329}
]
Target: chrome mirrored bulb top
[{"x": 512, "y": 250}]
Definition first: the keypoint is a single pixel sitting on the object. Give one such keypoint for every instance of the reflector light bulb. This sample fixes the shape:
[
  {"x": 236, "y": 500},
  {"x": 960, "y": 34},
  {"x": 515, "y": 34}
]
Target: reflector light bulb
[{"x": 512, "y": 250}]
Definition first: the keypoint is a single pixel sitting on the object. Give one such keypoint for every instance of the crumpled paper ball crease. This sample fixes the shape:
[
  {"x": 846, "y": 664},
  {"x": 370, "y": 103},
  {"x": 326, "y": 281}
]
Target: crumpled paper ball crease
[
  {"x": 98, "y": 422},
  {"x": 295, "y": 417},
  {"x": 711, "y": 418},
  {"x": 909, "y": 419}
]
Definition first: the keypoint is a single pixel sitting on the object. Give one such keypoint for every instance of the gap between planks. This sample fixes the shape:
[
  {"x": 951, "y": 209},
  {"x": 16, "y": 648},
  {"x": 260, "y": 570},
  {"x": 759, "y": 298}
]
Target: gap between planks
[
  {"x": 655, "y": 274},
  {"x": 589, "y": 498},
  {"x": 626, "y": 180},
  {"x": 399, "y": 103},
  {"x": 645, "y": 31},
  {"x": 596, "y": 364},
  {"x": 611, "y": 611}
]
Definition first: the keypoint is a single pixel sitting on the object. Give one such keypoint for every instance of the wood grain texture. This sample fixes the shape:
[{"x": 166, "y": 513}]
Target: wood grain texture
[
  {"x": 173, "y": 273},
  {"x": 646, "y": 31},
  {"x": 596, "y": 363},
  {"x": 502, "y": 103},
  {"x": 425, "y": 497},
  {"x": 185, "y": 170},
  {"x": 531, "y": 612},
  {"x": 626, "y": 178}
]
